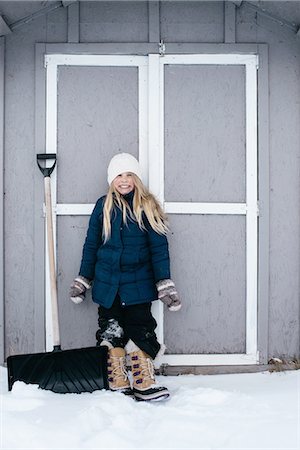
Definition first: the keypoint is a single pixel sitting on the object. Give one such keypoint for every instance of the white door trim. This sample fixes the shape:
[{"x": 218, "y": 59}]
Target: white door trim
[{"x": 249, "y": 208}]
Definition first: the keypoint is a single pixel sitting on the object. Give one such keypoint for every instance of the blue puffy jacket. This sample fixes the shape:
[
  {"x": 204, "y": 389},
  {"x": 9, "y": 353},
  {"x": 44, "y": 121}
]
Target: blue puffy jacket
[{"x": 129, "y": 263}]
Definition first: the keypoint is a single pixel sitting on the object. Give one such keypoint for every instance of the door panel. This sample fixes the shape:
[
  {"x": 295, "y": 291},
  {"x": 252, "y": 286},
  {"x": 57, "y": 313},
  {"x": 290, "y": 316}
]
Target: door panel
[
  {"x": 97, "y": 117},
  {"x": 208, "y": 255},
  {"x": 204, "y": 136},
  {"x": 78, "y": 323}
]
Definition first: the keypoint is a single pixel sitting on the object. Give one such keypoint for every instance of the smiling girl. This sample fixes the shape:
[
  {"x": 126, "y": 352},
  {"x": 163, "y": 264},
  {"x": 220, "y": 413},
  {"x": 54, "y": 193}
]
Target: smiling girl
[{"x": 126, "y": 258}]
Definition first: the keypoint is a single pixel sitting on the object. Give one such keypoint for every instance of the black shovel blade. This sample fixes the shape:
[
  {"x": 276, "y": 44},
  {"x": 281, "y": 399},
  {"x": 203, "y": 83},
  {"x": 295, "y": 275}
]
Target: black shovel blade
[{"x": 61, "y": 371}]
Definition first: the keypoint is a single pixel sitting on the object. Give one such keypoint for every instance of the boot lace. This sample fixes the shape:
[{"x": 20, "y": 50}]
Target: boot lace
[
  {"x": 118, "y": 368},
  {"x": 147, "y": 369}
]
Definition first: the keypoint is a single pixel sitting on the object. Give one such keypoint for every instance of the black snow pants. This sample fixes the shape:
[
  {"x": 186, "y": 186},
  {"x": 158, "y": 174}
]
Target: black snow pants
[{"x": 120, "y": 323}]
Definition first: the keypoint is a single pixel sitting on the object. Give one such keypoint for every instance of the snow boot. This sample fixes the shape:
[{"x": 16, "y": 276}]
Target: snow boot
[
  {"x": 145, "y": 388},
  {"x": 116, "y": 370}
]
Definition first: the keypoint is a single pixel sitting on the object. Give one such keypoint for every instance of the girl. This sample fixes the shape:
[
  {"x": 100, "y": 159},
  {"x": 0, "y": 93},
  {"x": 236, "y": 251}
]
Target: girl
[{"x": 126, "y": 255}]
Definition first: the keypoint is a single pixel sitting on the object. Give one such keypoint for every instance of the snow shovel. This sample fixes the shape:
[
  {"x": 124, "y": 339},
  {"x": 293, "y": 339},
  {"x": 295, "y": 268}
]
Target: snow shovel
[{"x": 61, "y": 371}]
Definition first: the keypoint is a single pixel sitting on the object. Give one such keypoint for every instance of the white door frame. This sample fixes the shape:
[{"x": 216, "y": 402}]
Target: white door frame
[
  {"x": 52, "y": 63},
  {"x": 151, "y": 141},
  {"x": 249, "y": 209}
]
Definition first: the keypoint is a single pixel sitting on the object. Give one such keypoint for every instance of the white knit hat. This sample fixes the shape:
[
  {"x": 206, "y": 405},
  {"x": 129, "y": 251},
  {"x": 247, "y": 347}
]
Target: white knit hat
[{"x": 120, "y": 163}]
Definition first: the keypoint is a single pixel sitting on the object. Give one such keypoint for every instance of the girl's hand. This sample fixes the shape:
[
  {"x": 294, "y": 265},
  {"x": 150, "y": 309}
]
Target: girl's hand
[
  {"x": 168, "y": 294},
  {"x": 78, "y": 289}
]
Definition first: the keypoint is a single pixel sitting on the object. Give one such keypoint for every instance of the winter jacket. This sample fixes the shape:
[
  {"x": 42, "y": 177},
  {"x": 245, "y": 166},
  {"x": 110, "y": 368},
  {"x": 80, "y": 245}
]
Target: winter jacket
[{"x": 129, "y": 263}]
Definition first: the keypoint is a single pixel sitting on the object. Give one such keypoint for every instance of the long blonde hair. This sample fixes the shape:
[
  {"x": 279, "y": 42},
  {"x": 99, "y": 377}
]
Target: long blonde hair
[{"x": 143, "y": 201}]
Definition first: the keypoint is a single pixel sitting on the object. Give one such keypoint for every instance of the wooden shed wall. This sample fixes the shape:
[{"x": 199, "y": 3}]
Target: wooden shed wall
[{"x": 129, "y": 22}]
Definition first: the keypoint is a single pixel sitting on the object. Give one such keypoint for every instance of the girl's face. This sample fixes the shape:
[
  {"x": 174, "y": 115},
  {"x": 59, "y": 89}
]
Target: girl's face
[{"x": 124, "y": 183}]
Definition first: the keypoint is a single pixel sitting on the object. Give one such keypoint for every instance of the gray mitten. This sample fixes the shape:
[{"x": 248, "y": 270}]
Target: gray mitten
[
  {"x": 78, "y": 289},
  {"x": 167, "y": 293}
]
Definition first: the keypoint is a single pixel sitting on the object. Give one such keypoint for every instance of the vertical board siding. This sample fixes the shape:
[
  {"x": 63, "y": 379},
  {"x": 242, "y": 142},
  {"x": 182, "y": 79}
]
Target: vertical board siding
[
  {"x": 229, "y": 22},
  {"x": 114, "y": 21},
  {"x": 24, "y": 287},
  {"x": 2, "y": 98},
  {"x": 19, "y": 174},
  {"x": 73, "y": 22},
  {"x": 197, "y": 22},
  {"x": 284, "y": 168},
  {"x": 39, "y": 235},
  {"x": 264, "y": 204}
]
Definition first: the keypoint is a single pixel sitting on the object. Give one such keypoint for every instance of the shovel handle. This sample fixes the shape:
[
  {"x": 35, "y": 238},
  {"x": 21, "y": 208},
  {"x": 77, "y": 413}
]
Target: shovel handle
[
  {"x": 46, "y": 171},
  {"x": 50, "y": 240}
]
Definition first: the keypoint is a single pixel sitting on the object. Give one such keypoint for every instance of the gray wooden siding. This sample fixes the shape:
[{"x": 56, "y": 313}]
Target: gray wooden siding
[
  {"x": 284, "y": 88},
  {"x": 2, "y": 315},
  {"x": 128, "y": 22},
  {"x": 22, "y": 326}
]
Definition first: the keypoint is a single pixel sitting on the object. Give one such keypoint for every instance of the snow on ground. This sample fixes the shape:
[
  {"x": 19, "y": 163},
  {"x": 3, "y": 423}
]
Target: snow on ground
[{"x": 240, "y": 411}]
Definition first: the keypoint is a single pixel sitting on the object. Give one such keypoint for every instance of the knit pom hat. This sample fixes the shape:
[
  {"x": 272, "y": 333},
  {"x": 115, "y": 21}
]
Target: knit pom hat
[{"x": 120, "y": 163}]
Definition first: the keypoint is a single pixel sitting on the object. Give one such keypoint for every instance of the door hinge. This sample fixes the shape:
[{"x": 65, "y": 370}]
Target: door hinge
[
  {"x": 162, "y": 48},
  {"x": 45, "y": 61}
]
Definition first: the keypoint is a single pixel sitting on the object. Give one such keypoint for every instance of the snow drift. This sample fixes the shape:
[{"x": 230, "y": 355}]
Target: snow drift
[{"x": 240, "y": 411}]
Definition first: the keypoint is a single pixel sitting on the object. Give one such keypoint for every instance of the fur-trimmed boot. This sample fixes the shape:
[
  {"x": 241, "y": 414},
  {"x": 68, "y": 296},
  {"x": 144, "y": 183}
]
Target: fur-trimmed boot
[
  {"x": 117, "y": 373},
  {"x": 144, "y": 387}
]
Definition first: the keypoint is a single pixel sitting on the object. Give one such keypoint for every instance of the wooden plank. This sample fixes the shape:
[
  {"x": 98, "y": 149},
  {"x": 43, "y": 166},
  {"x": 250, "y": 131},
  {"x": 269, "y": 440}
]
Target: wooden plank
[
  {"x": 204, "y": 208},
  {"x": 211, "y": 359},
  {"x": 51, "y": 147},
  {"x": 2, "y": 325},
  {"x": 218, "y": 59},
  {"x": 154, "y": 21},
  {"x": 39, "y": 243},
  {"x": 229, "y": 22},
  {"x": 105, "y": 48},
  {"x": 264, "y": 204},
  {"x": 73, "y": 22},
  {"x": 219, "y": 370},
  {"x": 96, "y": 60},
  {"x": 156, "y": 174},
  {"x": 144, "y": 48},
  {"x": 251, "y": 193}
]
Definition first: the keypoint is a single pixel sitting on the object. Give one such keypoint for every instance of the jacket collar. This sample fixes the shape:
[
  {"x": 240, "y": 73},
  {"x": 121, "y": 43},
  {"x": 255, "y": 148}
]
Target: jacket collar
[{"x": 129, "y": 197}]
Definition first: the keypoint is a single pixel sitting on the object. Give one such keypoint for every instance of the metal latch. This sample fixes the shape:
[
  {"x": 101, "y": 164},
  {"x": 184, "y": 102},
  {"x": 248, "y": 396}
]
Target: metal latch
[{"x": 162, "y": 48}]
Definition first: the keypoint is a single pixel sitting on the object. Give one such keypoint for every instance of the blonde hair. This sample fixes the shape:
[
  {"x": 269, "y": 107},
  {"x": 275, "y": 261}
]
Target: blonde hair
[{"x": 143, "y": 201}]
